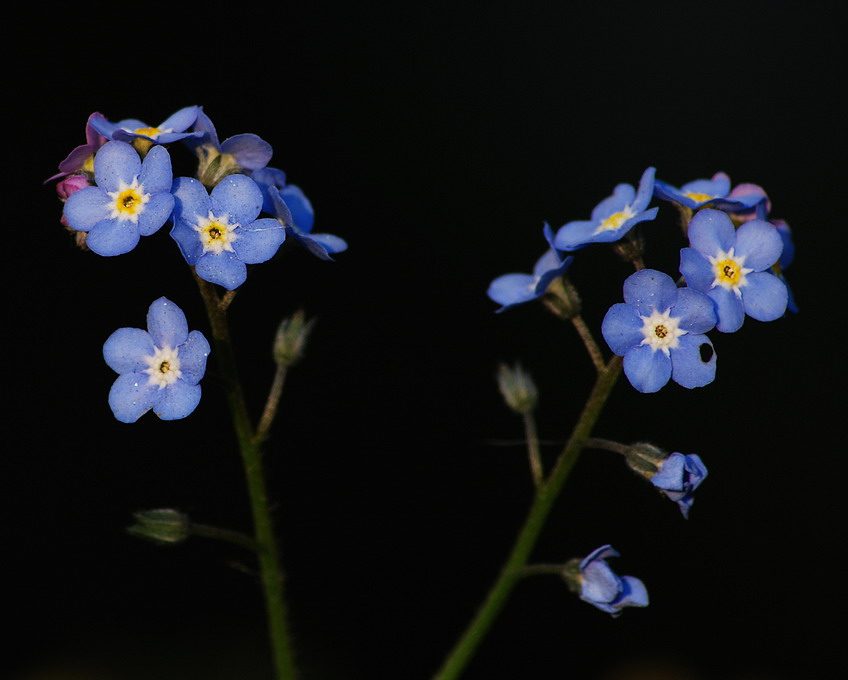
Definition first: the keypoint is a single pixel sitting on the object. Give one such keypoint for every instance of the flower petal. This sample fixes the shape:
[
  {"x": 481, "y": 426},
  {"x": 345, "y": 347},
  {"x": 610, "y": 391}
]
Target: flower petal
[
  {"x": 688, "y": 367},
  {"x": 111, "y": 237},
  {"x": 696, "y": 269},
  {"x": 190, "y": 199},
  {"x": 766, "y": 297},
  {"x": 166, "y": 324},
  {"x": 156, "y": 174},
  {"x": 633, "y": 593},
  {"x": 645, "y": 192},
  {"x": 729, "y": 309},
  {"x": 512, "y": 289},
  {"x": 176, "y": 401},
  {"x": 114, "y": 163},
  {"x": 181, "y": 120},
  {"x": 649, "y": 290},
  {"x": 188, "y": 241},
  {"x": 622, "y": 328},
  {"x": 250, "y": 151},
  {"x": 237, "y": 196},
  {"x": 259, "y": 241},
  {"x": 760, "y": 243},
  {"x": 125, "y": 350},
  {"x": 648, "y": 370},
  {"x": 86, "y": 207},
  {"x": 299, "y": 207},
  {"x": 225, "y": 269},
  {"x": 600, "y": 583},
  {"x": 710, "y": 231},
  {"x": 574, "y": 235},
  {"x": 131, "y": 396},
  {"x": 193, "y": 354},
  {"x": 156, "y": 212},
  {"x": 622, "y": 196},
  {"x": 695, "y": 311}
]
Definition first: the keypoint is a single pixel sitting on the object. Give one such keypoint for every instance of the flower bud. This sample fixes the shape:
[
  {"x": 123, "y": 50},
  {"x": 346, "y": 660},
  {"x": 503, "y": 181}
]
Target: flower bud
[
  {"x": 71, "y": 184},
  {"x": 292, "y": 334},
  {"x": 517, "y": 387},
  {"x": 160, "y": 526},
  {"x": 645, "y": 459}
]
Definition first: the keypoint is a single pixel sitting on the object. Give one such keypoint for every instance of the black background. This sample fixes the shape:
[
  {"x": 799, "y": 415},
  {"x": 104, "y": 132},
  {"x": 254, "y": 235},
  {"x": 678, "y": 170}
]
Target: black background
[{"x": 436, "y": 141}]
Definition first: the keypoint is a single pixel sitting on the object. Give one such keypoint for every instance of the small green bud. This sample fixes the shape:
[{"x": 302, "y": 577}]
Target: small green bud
[
  {"x": 292, "y": 334},
  {"x": 562, "y": 299},
  {"x": 645, "y": 459},
  {"x": 517, "y": 387},
  {"x": 160, "y": 526}
]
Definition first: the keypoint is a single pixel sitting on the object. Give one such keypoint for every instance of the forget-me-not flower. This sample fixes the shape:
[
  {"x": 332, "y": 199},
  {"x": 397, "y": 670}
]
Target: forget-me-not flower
[
  {"x": 132, "y": 198},
  {"x": 289, "y": 204},
  {"x": 659, "y": 330},
  {"x": 714, "y": 192},
  {"x": 172, "y": 129},
  {"x": 678, "y": 477},
  {"x": 733, "y": 267},
  {"x": 219, "y": 233},
  {"x": 603, "y": 588},
  {"x": 81, "y": 159},
  {"x": 613, "y": 217},
  {"x": 159, "y": 369}
]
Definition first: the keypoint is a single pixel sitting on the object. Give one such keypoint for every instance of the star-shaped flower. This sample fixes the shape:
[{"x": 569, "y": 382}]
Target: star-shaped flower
[
  {"x": 613, "y": 217},
  {"x": 659, "y": 330},
  {"x": 159, "y": 369},
  {"x": 132, "y": 198},
  {"x": 733, "y": 268}
]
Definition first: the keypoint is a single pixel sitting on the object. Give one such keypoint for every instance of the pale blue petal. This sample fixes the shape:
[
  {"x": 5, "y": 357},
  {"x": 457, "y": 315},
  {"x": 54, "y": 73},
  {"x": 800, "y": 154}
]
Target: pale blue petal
[
  {"x": 602, "y": 553},
  {"x": 633, "y": 593},
  {"x": 125, "y": 350},
  {"x": 237, "y": 196},
  {"x": 649, "y": 290},
  {"x": 87, "y": 207},
  {"x": 188, "y": 240},
  {"x": 670, "y": 475},
  {"x": 225, "y": 269},
  {"x": 687, "y": 366},
  {"x": 711, "y": 231},
  {"x": 696, "y": 269},
  {"x": 131, "y": 396},
  {"x": 114, "y": 163},
  {"x": 156, "y": 174},
  {"x": 766, "y": 297},
  {"x": 259, "y": 241},
  {"x": 330, "y": 242},
  {"x": 600, "y": 583},
  {"x": 181, "y": 120},
  {"x": 176, "y": 401},
  {"x": 190, "y": 199},
  {"x": 759, "y": 243},
  {"x": 648, "y": 370},
  {"x": 250, "y": 151},
  {"x": 156, "y": 212},
  {"x": 512, "y": 289},
  {"x": 729, "y": 309},
  {"x": 574, "y": 235},
  {"x": 622, "y": 328},
  {"x": 166, "y": 323},
  {"x": 695, "y": 311},
  {"x": 193, "y": 354},
  {"x": 645, "y": 191},
  {"x": 111, "y": 237},
  {"x": 622, "y": 196},
  {"x": 299, "y": 207}
]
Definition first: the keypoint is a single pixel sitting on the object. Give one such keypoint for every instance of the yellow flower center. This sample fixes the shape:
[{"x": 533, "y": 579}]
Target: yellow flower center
[
  {"x": 152, "y": 132},
  {"x": 729, "y": 270},
  {"x": 698, "y": 197},
  {"x": 128, "y": 201},
  {"x": 216, "y": 233},
  {"x": 615, "y": 220}
]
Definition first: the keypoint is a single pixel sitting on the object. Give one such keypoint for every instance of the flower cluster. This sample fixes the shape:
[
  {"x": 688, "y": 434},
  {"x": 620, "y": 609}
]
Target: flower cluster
[{"x": 236, "y": 211}]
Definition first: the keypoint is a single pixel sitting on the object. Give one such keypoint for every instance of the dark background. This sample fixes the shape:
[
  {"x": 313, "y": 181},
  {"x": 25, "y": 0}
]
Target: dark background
[{"x": 436, "y": 141}]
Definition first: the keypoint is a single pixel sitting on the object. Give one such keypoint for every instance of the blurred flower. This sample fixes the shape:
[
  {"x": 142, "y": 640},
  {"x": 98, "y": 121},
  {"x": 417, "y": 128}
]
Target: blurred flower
[
  {"x": 599, "y": 585},
  {"x": 678, "y": 476}
]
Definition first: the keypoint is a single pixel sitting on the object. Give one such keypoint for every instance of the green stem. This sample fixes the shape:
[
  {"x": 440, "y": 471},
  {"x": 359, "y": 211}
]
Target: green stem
[
  {"x": 272, "y": 404},
  {"x": 251, "y": 453},
  {"x": 228, "y": 535},
  {"x": 533, "y": 452},
  {"x": 513, "y": 569}
]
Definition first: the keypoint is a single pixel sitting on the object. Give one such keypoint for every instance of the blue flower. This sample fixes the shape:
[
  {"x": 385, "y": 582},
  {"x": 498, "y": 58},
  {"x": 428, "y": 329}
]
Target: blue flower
[
  {"x": 218, "y": 159},
  {"x": 515, "y": 289},
  {"x": 288, "y": 204},
  {"x": 131, "y": 199},
  {"x": 600, "y": 586},
  {"x": 787, "y": 256},
  {"x": 159, "y": 368},
  {"x": 613, "y": 217},
  {"x": 659, "y": 330},
  {"x": 678, "y": 476},
  {"x": 170, "y": 130},
  {"x": 218, "y": 233},
  {"x": 733, "y": 268},
  {"x": 714, "y": 192}
]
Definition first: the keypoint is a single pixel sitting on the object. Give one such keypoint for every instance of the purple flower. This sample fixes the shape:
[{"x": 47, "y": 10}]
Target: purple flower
[
  {"x": 613, "y": 217},
  {"x": 733, "y": 268},
  {"x": 159, "y": 369},
  {"x": 515, "y": 289},
  {"x": 678, "y": 476},
  {"x": 172, "y": 129},
  {"x": 218, "y": 233},
  {"x": 132, "y": 198},
  {"x": 600, "y": 586},
  {"x": 81, "y": 159},
  {"x": 659, "y": 330}
]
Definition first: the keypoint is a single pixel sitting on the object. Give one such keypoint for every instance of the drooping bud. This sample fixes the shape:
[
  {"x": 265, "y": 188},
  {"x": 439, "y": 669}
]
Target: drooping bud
[
  {"x": 645, "y": 459},
  {"x": 517, "y": 387},
  {"x": 163, "y": 526},
  {"x": 290, "y": 341}
]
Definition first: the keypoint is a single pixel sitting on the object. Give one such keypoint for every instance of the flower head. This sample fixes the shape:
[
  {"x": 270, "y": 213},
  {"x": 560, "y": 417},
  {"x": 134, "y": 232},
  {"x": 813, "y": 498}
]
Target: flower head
[
  {"x": 678, "y": 477},
  {"x": 288, "y": 204},
  {"x": 515, "y": 289},
  {"x": 159, "y": 368},
  {"x": 659, "y": 330},
  {"x": 219, "y": 233},
  {"x": 81, "y": 159},
  {"x": 172, "y": 129},
  {"x": 600, "y": 586},
  {"x": 132, "y": 198},
  {"x": 733, "y": 268},
  {"x": 613, "y": 217},
  {"x": 714, "y": 193}
]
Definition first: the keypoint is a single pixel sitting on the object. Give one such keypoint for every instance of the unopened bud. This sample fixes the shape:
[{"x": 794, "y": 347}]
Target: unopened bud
[
  {"x": 70, "y": 185},
  {"x": 517, "y": 387},
  {"x": 290, "y": 342},
  {"x": 160, "y": 526},
  {"x": 645, "y": 459}
]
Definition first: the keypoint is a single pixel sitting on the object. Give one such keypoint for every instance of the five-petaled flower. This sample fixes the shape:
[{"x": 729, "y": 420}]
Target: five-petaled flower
[
  {"x": 613, "y": 217},
  {"x": 132, "y": 198},
  {"x": 678, "y": 477},
  {"x": 733, "y": 268},
  {"x": 602, "y": 587},
  {"x": 159, "y": 368},
  {"x": 714, "y": 193},
  {"x": 659, "y": 330},
  {"x": 172, "y": 129},
  {"x": 515, "y": 289},
  {"x": 219, "y": 233}
]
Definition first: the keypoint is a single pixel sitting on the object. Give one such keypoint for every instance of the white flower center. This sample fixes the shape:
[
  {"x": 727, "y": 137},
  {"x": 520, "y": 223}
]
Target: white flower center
[
  {"x": 216, "y": 233},
  {"x": 615, "y": 220},
  {"x": 128, "y": 201},
  {"x": 661, "y": 331},
  {"x": 729, "y": 271},
  {"x": 163, "y": 367}
]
